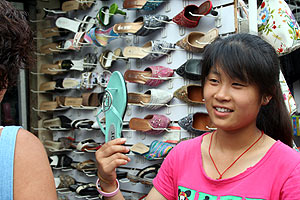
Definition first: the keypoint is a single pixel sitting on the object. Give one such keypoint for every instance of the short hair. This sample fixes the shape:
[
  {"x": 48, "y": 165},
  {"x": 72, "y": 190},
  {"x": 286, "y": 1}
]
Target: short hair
[{"x": 16, "y": 44}]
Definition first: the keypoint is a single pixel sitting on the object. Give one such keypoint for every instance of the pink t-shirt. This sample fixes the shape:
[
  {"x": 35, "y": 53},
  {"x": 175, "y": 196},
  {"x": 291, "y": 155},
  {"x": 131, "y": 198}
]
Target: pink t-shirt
[{"x": 275, "y": 176}]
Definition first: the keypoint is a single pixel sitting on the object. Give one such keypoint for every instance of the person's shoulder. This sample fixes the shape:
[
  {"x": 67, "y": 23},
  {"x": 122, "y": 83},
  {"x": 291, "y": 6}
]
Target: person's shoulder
[
  {"x": 287, "y": 153},
  {"x": 29, "y": 143},
  {"x": 27, "y": 137}
]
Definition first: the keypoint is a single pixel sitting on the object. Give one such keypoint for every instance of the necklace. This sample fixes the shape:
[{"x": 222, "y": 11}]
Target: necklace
[{"x": 221, "y": 174}]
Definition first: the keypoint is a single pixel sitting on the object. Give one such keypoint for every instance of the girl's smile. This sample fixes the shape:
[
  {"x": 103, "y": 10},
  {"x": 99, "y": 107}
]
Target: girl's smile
[
  {"x": 231, "y": 104},
  {"x": 222, "y": 111}
]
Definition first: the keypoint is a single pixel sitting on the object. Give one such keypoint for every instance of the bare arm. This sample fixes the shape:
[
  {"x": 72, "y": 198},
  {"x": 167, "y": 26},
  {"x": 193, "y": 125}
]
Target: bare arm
[
  {"x": 155, "y": 195},
  {"x": 33, "y": 178},
  {"x": 109, "y": 157}
]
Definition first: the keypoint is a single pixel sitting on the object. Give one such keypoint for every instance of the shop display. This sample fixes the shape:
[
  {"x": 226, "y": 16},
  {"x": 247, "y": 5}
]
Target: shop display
[{"x": 109, "y": 72}]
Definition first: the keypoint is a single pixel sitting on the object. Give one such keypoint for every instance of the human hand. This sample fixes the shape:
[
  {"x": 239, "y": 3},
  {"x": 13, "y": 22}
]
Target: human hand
[{"x": 109, "y": 157}]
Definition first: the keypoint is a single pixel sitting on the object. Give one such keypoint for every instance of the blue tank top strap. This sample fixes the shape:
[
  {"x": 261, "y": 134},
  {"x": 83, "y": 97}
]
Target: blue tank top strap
[{"x": 7, "y": 152}]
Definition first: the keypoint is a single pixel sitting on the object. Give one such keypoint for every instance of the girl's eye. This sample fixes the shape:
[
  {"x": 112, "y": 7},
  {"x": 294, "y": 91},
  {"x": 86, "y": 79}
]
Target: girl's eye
[
  {"x": 213, "y": 80},
  {"x": 238, "y": 84}
]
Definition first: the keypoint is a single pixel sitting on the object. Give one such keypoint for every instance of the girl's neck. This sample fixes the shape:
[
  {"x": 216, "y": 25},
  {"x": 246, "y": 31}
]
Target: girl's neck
[{"x": 228, "y": 141}]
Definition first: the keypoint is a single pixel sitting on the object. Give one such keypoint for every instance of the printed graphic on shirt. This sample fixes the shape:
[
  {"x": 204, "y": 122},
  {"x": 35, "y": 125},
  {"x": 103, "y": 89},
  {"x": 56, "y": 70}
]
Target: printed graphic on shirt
[
  {"x": 230, "y": 198},
  {"x": 204, "y": 196},
  {"x": 189, "y": 194},
  {"x": 253, "y": 199},
  {"x": 185, "y": 193}
]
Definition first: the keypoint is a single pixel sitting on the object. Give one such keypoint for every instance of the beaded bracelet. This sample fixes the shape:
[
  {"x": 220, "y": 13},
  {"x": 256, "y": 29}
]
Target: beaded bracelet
[{"x": 105, "y": 194}]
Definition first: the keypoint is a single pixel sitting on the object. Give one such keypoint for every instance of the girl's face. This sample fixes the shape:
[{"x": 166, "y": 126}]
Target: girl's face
[{"x": 231, "y": 104}]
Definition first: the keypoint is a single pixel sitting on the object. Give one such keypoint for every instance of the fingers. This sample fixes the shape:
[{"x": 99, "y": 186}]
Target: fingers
[
  {"x": 123, "y": 159},
  {"x": 110, "y": 156},
  {"x": 112, "y": 147},
  {"x": 111, "y": 163}
]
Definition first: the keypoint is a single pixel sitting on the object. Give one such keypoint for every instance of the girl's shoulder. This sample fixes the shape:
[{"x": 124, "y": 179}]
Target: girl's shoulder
[{"x": 286, "y": 152}]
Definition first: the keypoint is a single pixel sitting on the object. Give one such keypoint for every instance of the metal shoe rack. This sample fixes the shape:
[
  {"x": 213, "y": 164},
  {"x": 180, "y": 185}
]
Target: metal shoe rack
[{"x": 226, "y": 22}]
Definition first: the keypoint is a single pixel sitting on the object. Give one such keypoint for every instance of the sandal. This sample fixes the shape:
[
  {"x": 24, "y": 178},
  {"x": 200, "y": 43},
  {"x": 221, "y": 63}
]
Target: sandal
[
  {"x": 64, "y": 181},
  {"x": 68, "y": 101},
  {"x": 87, "y": 190},
  {"x": 87, "y": 64},
  {"x": 61, "y": 103},
  {"x": 57, "y": 68},
  {"x": 191, "y": 69},
  {"x": 76, "y": 26},
  {"x": 185, "y": 17},
  {"x": 77, "y": 5},
  {"x": 104, "y": 78},
  {"x": 92, "y": 99},
  {"x": 114, "y": 106},
  {"x": 52, "y": 32},
  {"x": 105, "y": 13},
  {"x": 58, "y": 47},
  {"x": 143, "y": 25},
  {"x": 152, "y": 50},
  {"x": 64, "y": 144},
  {"x": 52, "y": 16},
  {"x": 60, "y": 161},
  {"x": 196, "y": 41},
  {"x": 46, "y": 49},
  {"x": 197, "y": 123},
  {"x": 61, "y": 84},
  {"x": 191, "y": 94},
  {"x": 149, "y": 76},
  {"x": 108, "y": 57},
  {"x": 157, "y": 150},
  {"x": 151, "y": 124},
  {"x": 51, "y": 106},
  {"x": 142, "y": 4},
  {"x": 145, "y": 175},
  {"x": 152, "y": 98},
  {"x": 88, "y": 165},
  {"x": 82, "y": 124},
  {"x": 99, "y": 37},
  {"x": 89, "y": 80},
  {"x": 88, "y": 145},
  {"x": 60, "y": 122}
]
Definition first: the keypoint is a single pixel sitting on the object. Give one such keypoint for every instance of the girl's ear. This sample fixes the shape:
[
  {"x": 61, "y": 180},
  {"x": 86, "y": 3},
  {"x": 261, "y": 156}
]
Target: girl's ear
[{"x": 265, "y": 100}]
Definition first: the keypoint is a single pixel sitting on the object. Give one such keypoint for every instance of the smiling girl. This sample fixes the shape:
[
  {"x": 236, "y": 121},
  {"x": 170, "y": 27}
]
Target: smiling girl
[{"x": 249, "y": 155}]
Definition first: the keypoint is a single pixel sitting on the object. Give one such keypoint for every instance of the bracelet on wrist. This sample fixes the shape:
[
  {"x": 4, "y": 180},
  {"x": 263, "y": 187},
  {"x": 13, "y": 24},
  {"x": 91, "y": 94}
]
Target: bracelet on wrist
[{"x": 106, "y": 194}]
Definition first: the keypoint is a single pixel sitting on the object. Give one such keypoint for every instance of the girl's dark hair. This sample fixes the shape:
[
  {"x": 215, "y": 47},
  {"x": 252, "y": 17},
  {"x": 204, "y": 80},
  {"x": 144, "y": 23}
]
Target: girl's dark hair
[
  {"x": 16, "y": 44},
  {"x": 252, "y": 60}
]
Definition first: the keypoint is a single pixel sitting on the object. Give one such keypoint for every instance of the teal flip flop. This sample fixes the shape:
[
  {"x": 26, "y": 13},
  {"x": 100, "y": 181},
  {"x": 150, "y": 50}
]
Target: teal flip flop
[{"x": 114, "y": 106}]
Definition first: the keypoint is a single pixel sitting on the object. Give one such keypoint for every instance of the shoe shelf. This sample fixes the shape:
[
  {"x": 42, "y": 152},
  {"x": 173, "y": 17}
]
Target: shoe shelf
[{"x": 59, "y": 66}]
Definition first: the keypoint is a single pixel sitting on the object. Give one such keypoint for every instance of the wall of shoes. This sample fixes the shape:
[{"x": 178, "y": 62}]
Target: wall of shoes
[{"x": 156, "y": 46}]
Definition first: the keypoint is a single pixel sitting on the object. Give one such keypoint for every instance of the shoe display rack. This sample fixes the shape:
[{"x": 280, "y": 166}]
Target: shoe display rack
[{"x": 76, "y": 54}]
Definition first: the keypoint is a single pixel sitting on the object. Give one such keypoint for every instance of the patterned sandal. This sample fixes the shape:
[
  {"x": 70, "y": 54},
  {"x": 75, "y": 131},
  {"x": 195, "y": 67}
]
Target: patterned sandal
[
  {"x": 152, "y": 50},
  {"x": 152, "y": 76},
  {"x": 151, "y": 124},
  {"x": 100, "y": 37},
  {"x": 142, "y": 4},
  {"x": 157, "y": 150},
  {"x": 143, "y": 25}
]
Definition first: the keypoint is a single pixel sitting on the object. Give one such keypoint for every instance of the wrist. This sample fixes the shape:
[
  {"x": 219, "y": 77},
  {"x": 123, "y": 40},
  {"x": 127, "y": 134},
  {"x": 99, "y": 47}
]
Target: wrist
[
  {"x": 113, "y": 191},
  {"x": 107, "y": 186}
]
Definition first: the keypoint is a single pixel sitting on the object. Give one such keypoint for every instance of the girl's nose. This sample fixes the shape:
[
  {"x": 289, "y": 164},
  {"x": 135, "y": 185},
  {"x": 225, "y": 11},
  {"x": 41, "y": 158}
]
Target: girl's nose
[{"x": 222, "y": 94}]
